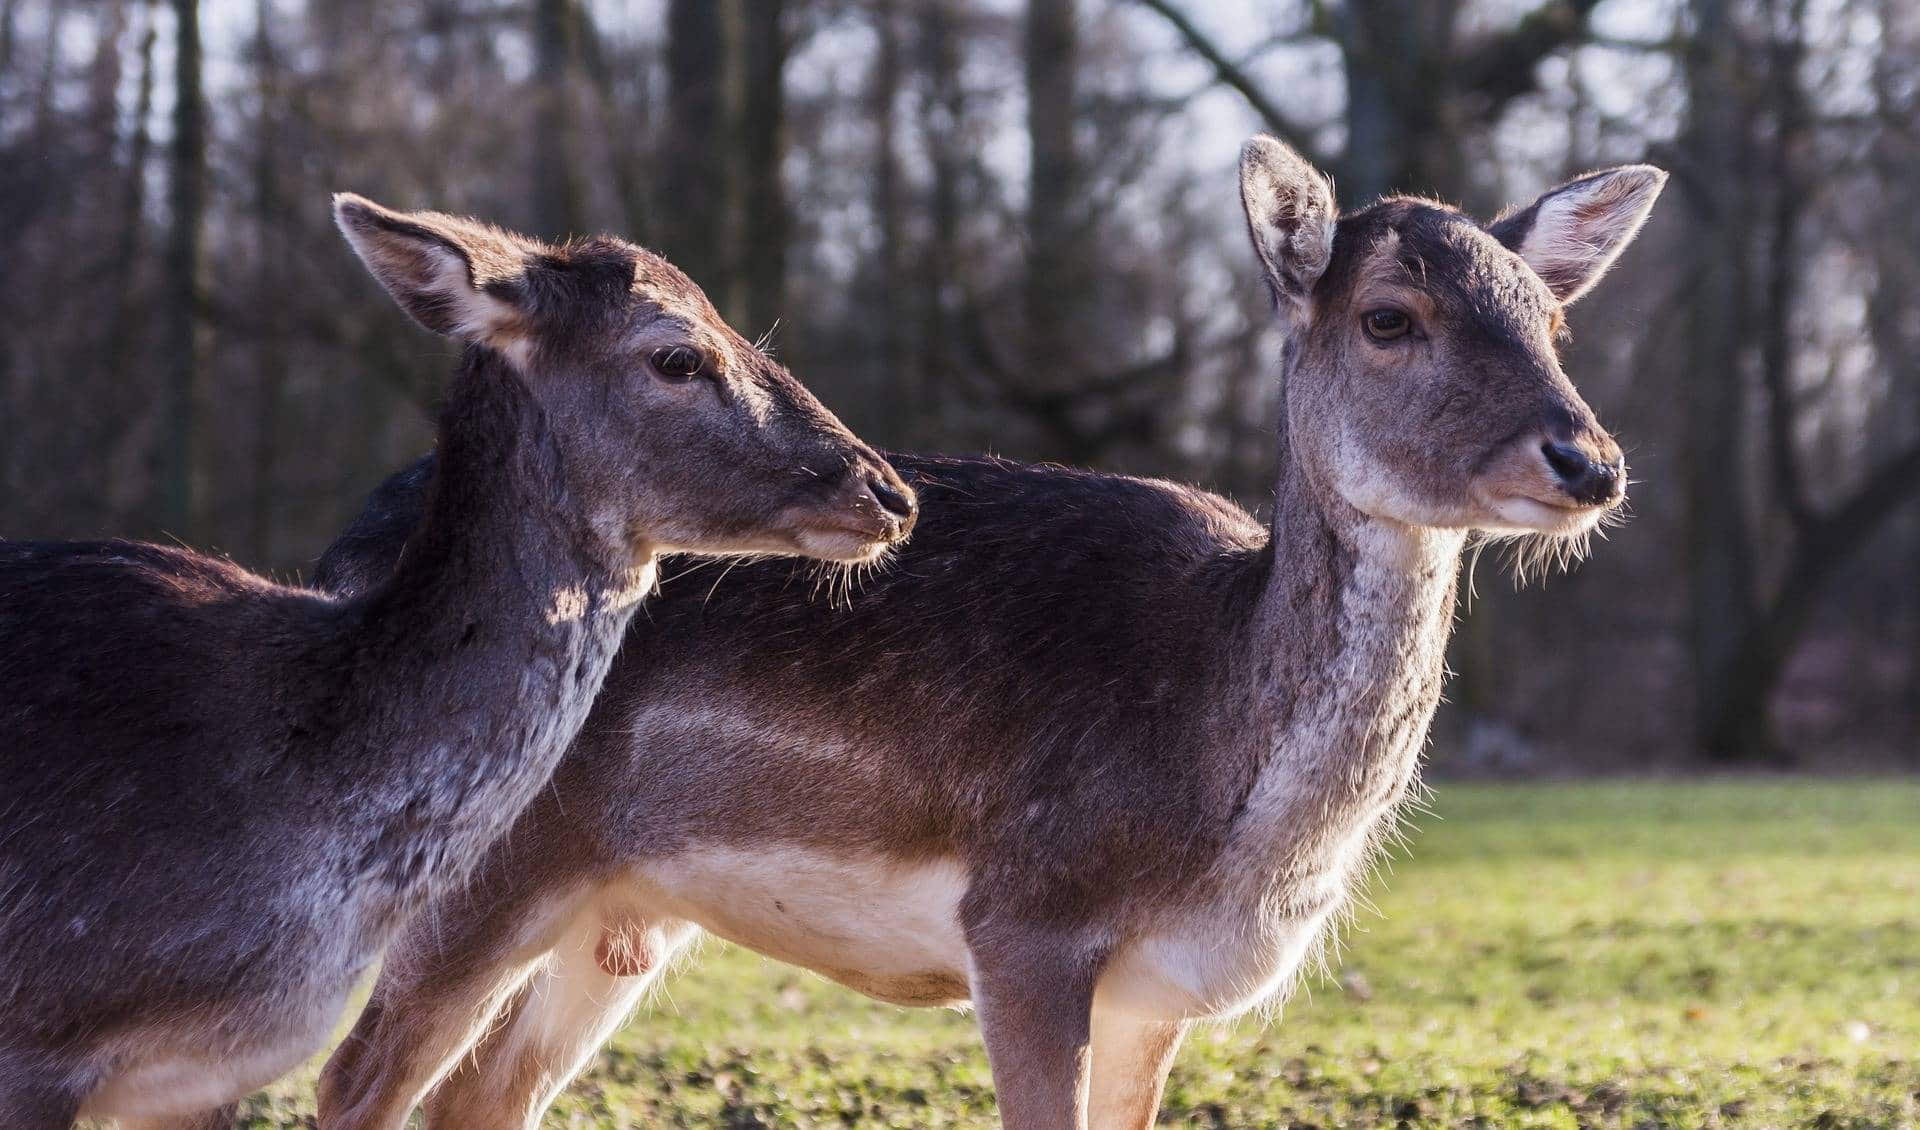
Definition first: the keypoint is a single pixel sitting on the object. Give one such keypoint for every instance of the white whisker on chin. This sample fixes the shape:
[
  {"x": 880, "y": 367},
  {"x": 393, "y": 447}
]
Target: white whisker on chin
[
  {"x": 1532, "y": 555},
  {"x": 1541, "y": 539},
  {"x": 840, "y": 579}
]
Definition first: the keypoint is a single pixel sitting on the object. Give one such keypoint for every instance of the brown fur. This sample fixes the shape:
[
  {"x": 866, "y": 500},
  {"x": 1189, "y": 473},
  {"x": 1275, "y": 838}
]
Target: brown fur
[
  {"x": 222, "y": 796},
  {"x": 1128, "y": 714}
]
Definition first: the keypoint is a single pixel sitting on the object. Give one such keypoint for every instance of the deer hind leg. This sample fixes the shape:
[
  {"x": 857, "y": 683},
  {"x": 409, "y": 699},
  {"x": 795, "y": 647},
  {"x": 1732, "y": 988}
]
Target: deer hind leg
[
  {"x": 610, "y": 955},
  {"x": 443, "y": 985},
  {"x": 1131, "y": 1058}
]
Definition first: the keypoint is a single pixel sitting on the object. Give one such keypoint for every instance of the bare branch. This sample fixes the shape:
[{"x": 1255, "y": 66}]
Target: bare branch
[
  {"x": 1505, "y": 67},
  {"x": 1232, "y": 75}
]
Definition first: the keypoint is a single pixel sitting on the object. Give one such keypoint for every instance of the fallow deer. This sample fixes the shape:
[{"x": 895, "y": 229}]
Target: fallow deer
[
  {"x": 1101, "y": 755},
  {"x": 220, "y": 796}
]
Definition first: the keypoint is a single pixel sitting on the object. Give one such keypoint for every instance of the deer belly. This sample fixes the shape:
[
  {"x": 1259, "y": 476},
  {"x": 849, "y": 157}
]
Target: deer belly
[
  {"x": 185, "y": 1070},
  {"x": 1209, "y": 968},
  {"x": 886, "y": 928}
]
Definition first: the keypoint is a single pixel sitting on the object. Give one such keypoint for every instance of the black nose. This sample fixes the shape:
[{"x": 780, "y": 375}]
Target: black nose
[
  {"x": 891, "y": 499},
  {"x": 1587, "y": 480}
]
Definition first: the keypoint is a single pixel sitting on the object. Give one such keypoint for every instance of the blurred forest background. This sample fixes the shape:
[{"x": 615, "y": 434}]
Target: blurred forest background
[{"x": 1012, "y": 225}]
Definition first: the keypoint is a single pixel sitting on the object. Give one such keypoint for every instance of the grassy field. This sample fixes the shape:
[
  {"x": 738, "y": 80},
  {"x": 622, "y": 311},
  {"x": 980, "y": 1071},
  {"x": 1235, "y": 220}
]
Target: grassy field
[{"x": 1648, "y": 954}]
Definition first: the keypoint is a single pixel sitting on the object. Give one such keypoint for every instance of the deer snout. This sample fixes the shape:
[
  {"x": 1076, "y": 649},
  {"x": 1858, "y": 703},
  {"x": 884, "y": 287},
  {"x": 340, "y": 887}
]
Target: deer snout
[
  {"x": 1589, "y": 476},
  {"x": 895, "y": 498},
  {"x": 867, "y": 510},
  {"x": 878, "y": 493}
]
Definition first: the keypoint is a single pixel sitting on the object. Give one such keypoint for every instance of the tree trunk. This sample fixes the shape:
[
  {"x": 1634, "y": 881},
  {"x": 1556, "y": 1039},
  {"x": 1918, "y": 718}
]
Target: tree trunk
[
  {"x": 9, "y": 9},
  {"x": 178, "y": 509},
  {"x": 692, "y": 183},
  {"x": 271, "y": 220},
  {"x": 103, "y": 82},
  {"x": 123, "y": 321},
  {"x": 761, "y": 130},
  {"x": 939, "y": 271},
  {"x": 1054, "y": 262},
  {"x": 85, "y": 493},
  {"x": 896, "y": 385},
  {"x": 625, "y": 123},
  {"x": 1400, "y": 93},
  {"x": 1828, "y": 543},
  {"x": 1719, "y": 550},
  {"x": 556, "y": 197},
  {"x": 1740, "y": 723},
  {"x": 43, "y": 115},
  {"x": 127, "y": 323}
]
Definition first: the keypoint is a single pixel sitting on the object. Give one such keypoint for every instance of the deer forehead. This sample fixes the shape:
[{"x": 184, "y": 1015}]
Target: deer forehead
[
  {"x": 676, "y": 306},
  {"x": 1455, "y": 276}
]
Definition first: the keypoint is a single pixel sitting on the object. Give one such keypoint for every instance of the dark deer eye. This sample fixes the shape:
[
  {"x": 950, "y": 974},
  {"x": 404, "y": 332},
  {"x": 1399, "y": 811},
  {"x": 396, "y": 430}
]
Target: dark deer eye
[
  {"x": 678, "y": 362},
  {"x": 1386, "y": 325}
]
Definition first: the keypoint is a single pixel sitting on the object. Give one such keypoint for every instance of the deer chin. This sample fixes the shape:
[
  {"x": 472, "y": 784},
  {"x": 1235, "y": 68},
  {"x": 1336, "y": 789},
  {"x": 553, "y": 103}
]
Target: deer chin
[
  {"x": 845, "y": 545},
  {"x": 1526, "y": 514}
]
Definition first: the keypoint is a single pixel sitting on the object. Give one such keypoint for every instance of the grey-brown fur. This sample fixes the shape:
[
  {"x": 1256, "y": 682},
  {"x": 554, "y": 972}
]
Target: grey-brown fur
[
  {"x": 1127, "y": 710},
  {"x": 220, "y": 796}
]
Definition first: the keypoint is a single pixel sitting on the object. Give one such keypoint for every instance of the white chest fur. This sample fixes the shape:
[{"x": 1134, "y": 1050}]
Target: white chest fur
[
  {"x": 1244, "y": 946},
  {"x": 1212, "y": 967}
]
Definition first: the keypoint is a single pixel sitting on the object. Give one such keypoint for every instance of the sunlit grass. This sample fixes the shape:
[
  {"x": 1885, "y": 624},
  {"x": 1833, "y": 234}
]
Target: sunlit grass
[{"x": 1635, "y": 955}]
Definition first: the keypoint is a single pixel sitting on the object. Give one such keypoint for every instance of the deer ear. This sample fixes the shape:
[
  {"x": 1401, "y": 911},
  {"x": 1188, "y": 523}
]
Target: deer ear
[
  {"x": 1290, "y": 215},
  {"x": 1572, "y": 234},
  {"x": 456, "y": 277}
]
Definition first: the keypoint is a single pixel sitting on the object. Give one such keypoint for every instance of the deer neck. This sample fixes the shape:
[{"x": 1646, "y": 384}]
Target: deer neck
[
  {"x": 1346, "y": 657},
  {"x": 486, "y": 647}
]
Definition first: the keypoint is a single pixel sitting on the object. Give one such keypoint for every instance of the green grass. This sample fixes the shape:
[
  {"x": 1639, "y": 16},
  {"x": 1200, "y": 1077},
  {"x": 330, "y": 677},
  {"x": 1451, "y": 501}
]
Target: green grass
[{"x": 1635, "y": 955}]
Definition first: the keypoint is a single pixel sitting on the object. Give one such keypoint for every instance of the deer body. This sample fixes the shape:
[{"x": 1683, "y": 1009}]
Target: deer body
[
  {"x": 1279, "y": 838},
  {"x": 1102, "y": 756},
  {"x": 251, "y": 842},
  {"x": 223, "y": 796},
  {"x": 784, "y": 772}
]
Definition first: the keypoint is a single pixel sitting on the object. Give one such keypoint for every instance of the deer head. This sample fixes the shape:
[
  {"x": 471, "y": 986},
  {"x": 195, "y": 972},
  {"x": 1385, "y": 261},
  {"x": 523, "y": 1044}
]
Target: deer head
[
  {"x": 678, "y": 433},
  {"x": 1423, "y": 384}
]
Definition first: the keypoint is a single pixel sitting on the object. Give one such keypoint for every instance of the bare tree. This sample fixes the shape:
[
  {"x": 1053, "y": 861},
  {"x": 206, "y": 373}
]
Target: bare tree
[
  {"x": 1413, "y": 86},
  {"x": 692, "y": 182},
  {"x": 556, "y": 197},
  {"x": 1055, "y": 249},
  {"x": 181, "y": 321},
  {"x": 1080, "y": 304},
  {"x": 760, "y": 130}
]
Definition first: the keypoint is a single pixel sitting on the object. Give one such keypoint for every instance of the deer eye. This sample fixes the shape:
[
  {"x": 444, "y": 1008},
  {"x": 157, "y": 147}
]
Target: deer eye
[
  {"x": 1387, "y": 325},
  {"x": 678, "y": 362}
]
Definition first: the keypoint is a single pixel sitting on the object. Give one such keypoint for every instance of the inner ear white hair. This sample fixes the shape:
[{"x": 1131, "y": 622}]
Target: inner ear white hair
[
  {"x": 1573, "y": 233},
  {"x": 457, "y": 277},
  {"x": 1290, "y": 217}
]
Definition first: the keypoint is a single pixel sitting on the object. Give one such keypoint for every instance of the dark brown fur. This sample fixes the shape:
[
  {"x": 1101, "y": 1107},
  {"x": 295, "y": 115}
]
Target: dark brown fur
[
  {"x": 1118, "y": 704},
  {"x": 220, "y": 796}
]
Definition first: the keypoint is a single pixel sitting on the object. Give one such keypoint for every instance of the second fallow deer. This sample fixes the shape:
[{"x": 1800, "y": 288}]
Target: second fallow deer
[
  {"x": 220, "y": 796},
  {"x": 1101, "y": 755}
]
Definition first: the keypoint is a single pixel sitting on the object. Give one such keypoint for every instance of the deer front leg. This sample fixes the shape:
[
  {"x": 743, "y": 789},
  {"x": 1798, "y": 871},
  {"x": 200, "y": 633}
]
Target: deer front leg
[
  {"x": 1033, "y": 994},
  {"x": 1131, "y": 1058}
]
